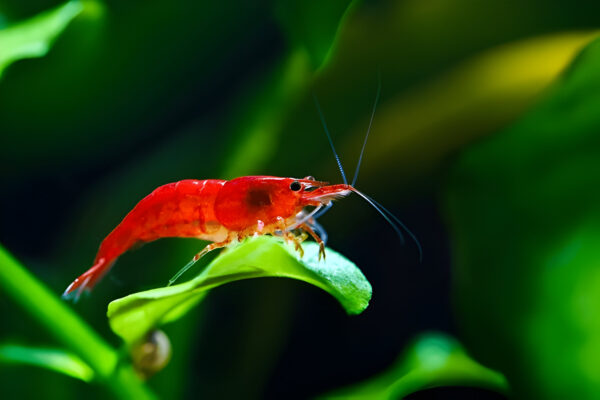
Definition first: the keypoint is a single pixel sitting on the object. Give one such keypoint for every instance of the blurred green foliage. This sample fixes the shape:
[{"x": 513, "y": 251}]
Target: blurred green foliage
[
  {"x": 131, "y": 95},
  {"x": 54, "y": 359},
  {"x": 90, "y": 352},
  {"x": 431, "y": 360},
  {"x": 34, "y": 37},
  {"x": 523, "y": 207}
]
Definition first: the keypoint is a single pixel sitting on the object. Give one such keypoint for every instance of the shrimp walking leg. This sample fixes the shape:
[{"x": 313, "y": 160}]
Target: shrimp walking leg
[
  {"x": 319, "y": 230},
  {"x": 289, "y": 236},
  {"x": 297, "y": 240},
  {"x": 205, "y": 250},
  {"x": 312, "y": 233}
]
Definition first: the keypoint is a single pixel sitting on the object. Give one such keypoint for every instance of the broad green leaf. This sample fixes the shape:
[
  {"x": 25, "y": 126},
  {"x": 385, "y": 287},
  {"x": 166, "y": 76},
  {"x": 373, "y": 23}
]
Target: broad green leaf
[
  {"x": 132, "y": 316},
  {"x": 524, "y": 213},
  {"x": 432, "y": 360},
  {"x": 34, "y": 37},
  {"x": 54, "y": 359}
]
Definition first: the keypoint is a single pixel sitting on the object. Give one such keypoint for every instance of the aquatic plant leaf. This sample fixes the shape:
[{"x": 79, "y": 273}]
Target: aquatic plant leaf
[
  {"x": 56, "y": 360},
  {"x": 34, "y": 37},
  {"x": 132, "y": 316}
]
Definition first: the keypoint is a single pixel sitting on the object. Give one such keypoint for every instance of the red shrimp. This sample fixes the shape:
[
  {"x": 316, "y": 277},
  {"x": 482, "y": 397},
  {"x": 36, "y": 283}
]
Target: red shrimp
[
  {"x": 218, "y": 211},
  {"x": 224, "y": 212}
]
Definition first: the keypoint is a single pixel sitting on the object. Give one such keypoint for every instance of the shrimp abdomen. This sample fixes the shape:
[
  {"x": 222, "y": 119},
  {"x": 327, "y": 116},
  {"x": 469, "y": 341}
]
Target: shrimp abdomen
[{"x": 179, "y": 209}]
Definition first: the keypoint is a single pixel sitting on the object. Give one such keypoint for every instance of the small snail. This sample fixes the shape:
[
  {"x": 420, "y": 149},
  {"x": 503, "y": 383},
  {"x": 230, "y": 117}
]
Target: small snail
[{"x": 151, "y": 354}]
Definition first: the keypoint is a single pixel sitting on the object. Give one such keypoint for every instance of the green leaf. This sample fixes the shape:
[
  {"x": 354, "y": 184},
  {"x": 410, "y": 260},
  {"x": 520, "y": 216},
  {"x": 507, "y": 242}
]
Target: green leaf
[
  {"x": 524, "y": 213},
  {"x": 34, "y": 37},
  {"x": 432, "y": 360},
  {"x": 132, "y": 316},
  {"x": 54, "y": 359}
]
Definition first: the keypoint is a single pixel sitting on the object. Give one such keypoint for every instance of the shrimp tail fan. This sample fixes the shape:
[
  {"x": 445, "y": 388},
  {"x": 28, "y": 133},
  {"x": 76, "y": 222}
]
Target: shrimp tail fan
[{"x": 87, "y": 280}]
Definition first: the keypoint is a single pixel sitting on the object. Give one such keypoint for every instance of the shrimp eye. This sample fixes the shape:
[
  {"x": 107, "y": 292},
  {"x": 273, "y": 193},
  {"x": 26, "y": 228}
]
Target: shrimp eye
[{"x": 295, "y": 186}]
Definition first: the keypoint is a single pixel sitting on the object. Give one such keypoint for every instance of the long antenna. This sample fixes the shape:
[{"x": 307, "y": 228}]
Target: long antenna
[
  {"x": 381, "y": 211},
  {"x": 385, "y": 213},
  {"x": 368, "y": 129},
  {"x": 412, "y": 235},
  {"x": 337, "y": 158}
]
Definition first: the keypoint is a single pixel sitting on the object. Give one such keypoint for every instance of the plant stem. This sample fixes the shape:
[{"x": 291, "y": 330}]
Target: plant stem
[{"x": 66, "y": 326}]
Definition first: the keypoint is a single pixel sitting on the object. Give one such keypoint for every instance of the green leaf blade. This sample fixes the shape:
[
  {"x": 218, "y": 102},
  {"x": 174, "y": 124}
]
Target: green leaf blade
[
  {"x": 132, "y": 316},
  {"x": 56, "y": 360},
  {"x": 34, "y": 37}
]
